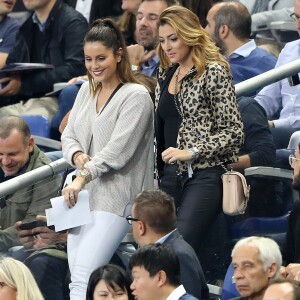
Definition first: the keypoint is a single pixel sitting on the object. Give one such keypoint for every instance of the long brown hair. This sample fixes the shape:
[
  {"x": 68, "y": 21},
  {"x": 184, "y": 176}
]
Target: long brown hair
[
  {"x": 106, "y": 32},
  {"x": 203, "y": 49}
]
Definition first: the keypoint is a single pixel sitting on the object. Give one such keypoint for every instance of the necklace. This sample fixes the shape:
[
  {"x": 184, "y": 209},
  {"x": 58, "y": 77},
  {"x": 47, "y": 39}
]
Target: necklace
[
  {"x": 110, "y": 89},
  {"x": 175, "y": 95}
]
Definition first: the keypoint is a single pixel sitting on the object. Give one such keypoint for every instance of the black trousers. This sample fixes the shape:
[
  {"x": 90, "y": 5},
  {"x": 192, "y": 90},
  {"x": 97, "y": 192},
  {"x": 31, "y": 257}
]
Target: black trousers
[{"x": 198, "y": 200}]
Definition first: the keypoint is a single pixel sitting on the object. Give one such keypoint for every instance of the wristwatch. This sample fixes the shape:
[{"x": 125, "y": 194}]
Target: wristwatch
[
  {"x": 194, "y": 151},
  {"x": 86, "y": 174}
]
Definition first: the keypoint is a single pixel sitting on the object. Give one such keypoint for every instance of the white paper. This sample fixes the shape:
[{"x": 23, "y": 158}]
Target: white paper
[
  {"x": 65, "y": 217},
  {"x": 49, "y": 217}
]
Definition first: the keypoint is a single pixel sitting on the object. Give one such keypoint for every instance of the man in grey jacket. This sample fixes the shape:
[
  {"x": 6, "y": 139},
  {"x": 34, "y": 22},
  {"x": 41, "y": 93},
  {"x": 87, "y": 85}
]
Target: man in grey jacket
[{"x": 19, "y": 155}]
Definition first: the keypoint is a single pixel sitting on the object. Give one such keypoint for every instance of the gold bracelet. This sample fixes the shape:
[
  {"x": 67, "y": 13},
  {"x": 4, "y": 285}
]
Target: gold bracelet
[{"x": 75, "y": 156}]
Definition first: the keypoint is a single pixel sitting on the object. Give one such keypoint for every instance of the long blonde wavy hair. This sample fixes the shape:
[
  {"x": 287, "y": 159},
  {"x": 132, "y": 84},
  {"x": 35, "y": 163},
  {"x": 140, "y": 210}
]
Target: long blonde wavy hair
[{"x": 188, "y": 29}]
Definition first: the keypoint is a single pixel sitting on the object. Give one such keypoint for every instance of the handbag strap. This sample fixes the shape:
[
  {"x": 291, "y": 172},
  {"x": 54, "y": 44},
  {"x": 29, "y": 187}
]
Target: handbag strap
[{"x": 246, "y": 187}]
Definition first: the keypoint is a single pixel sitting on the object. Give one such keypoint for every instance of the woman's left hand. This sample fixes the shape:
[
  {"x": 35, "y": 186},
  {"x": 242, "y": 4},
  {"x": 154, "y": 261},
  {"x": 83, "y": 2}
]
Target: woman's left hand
[
  {"x": 71, "y": 191},
  {"x": 171, "y": 155}
]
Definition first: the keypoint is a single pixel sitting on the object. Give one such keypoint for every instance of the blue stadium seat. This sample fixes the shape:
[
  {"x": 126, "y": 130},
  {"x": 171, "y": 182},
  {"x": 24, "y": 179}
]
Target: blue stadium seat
[
  {"x": 38, "y": 124},
  {"x": 228, "y": 290}
]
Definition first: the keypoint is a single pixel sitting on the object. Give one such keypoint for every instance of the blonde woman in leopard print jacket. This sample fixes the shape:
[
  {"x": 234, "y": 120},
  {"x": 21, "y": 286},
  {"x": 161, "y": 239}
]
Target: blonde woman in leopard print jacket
[{"x": 197, "y": 122}]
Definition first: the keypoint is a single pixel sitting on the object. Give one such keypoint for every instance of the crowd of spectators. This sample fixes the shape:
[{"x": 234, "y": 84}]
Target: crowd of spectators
[{"x": 112, "y": 54}]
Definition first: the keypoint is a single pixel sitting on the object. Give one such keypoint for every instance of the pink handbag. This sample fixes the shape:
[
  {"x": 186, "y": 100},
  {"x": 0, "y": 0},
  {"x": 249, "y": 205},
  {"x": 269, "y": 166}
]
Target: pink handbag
[{"x": 235, "y": 193}]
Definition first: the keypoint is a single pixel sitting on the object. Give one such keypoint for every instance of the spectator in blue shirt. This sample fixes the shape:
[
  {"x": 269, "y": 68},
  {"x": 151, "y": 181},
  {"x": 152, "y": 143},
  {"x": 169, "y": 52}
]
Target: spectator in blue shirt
[
  {"x": 8, "y": 30},
  {"x": 229, "y": 25},
  {"x": 281, "y": 99}
]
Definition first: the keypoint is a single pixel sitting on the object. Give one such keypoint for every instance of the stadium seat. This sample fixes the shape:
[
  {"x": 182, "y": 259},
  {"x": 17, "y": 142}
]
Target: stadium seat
[
  {"x": 273, "y": 227},
  {"x": 38, "y": 124},
  {"x": 228, "y": 290}
]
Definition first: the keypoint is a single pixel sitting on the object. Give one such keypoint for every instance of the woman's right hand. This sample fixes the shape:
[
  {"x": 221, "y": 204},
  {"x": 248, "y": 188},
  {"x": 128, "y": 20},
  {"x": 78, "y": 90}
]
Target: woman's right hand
[{"x": 81, "y": 160}]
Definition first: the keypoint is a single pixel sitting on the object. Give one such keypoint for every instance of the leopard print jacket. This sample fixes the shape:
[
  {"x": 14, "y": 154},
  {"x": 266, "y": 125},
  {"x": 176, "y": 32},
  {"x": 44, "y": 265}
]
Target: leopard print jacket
[{"x": 211, "y": 122}]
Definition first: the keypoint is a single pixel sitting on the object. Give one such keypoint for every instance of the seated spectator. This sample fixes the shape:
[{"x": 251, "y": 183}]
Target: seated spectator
[
  {"x": 291, "y": 248},
  {"x": 155, "y": 270},
  {"x": 282, "y": 289},
  {"x": 127, "y": 21},
  {"x": 95, "y": 9},
  {"x": 256, "y": 6},
  {"x": 266, "y": 196},
  {"x": 17, "y": 283},
  {"x": 261, "y": 23},
  {"x": 280, "y": 99},
  {"x": 109, "y": 281},
  {"x": 53, "y": 34},
  {"x": 8, "y": 30},
  {"x": 294, "y": 140},
  {"x": 19, "y": 155},
  {"x": 200, "y": 8},
  {"x": 229, "y": 25},
  {"x": 45, "y": 254},
  {"x": 256, "y": 260},
  {"x": 154, "y": 221}
]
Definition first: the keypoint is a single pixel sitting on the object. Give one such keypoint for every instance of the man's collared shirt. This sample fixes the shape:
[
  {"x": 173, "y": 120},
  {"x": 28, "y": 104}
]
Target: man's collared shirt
[
  {"x": 8, "y": 30},
  {"x": 37, "y": 21},
  {"x": 84, "y": 7},
  {"x": 177, "y": 293},
  {"x": 150, "y": 68},
  {"x": 244, "y": 50},
  {"x": 163, "y": 238},
  {"x": 280, "y": 95}
]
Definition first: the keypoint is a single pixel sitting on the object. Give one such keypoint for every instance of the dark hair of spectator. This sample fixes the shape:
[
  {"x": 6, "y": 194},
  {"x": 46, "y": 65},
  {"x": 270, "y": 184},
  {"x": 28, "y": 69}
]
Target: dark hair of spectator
[
  {"x": 114, "y": 276},
  {"x": 156, "y": 209},
  {"x": 236, "y": 16},
  {"x": 200, "y": 8},
  {"x": 157, "y": 257}
]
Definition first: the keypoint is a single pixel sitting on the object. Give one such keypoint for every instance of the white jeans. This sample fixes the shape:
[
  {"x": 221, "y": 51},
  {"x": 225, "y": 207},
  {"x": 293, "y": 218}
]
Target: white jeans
[{"x": 91, "y": 246}]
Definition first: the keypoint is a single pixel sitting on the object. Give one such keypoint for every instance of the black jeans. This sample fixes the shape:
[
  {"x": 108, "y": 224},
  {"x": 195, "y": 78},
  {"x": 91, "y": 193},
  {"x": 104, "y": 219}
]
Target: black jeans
[
  {"x": 201, "y": 202},
  {"x": 198, "y": 200},
  {"x": 171, "y": 183}
]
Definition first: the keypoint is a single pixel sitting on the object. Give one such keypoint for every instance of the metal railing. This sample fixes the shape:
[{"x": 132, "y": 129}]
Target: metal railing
[
  {"x": 11, "y": 186},
  {"x": 60, "y": 165},
  {"x": 267, "y": 78}
]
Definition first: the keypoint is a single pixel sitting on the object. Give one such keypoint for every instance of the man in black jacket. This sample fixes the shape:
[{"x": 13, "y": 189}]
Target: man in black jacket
[
  {"x": 53, "y": 34},
  {"x": 99, "y": 8},
  {"x": 154, "y": 221}
]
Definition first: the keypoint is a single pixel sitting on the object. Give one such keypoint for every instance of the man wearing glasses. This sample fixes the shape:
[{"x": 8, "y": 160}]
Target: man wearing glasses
[
  {"x": 291, "y": 248},
  {"x": 153, "y": 220},
  {"x": 281, "y": 100}
]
